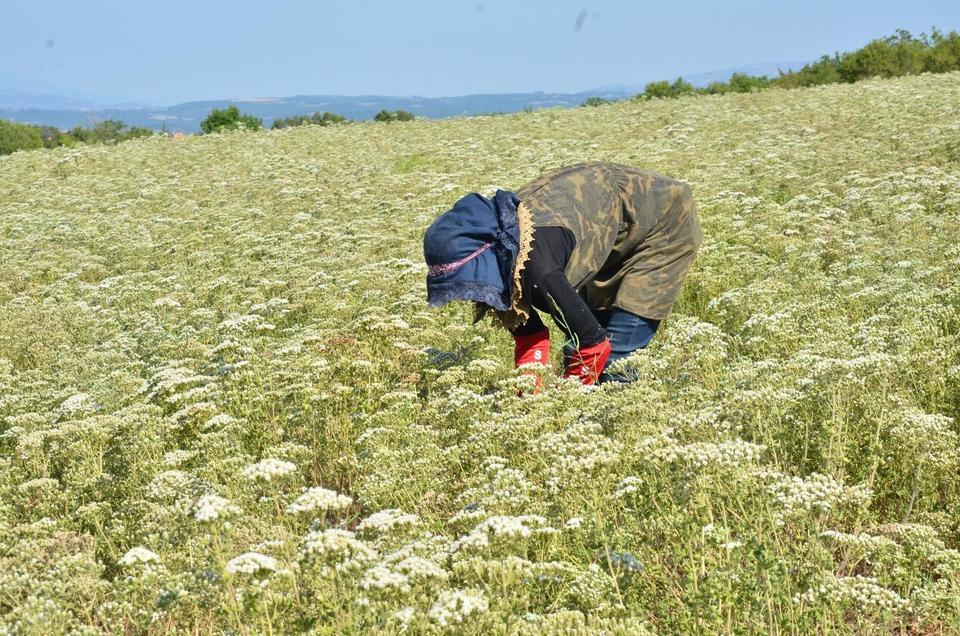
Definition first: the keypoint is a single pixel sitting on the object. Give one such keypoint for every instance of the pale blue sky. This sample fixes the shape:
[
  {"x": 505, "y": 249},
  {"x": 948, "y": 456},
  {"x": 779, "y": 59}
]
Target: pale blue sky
[{"x": 163, "y": 52}]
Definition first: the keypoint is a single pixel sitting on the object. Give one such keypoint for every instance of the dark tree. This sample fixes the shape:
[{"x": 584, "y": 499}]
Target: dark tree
[
  {"x": 229, "y": 118},
  {"x": 15, "y": 137}
]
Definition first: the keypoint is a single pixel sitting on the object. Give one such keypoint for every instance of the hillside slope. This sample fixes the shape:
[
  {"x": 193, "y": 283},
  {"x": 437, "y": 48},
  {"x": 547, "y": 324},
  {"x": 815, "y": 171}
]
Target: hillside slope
[{"x": 195, "y": 331}]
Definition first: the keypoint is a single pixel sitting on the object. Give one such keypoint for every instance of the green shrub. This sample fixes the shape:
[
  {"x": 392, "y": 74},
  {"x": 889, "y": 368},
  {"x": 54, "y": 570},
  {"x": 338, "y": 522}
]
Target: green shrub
[
  {"x": 395, "y": 115},
  {"x": 596, "y": 101},
  {"x": 944, "y": 53},
  {"x": 897, "y": 55},
  {"x": 656, "y": 89},
  {"x": 893, "y": 56},
  {"x": 680, "y": 87},
  {"x": 716, "y": 88},
  {"x": 229, "y": 119},
  {"x": 15, "y": 137},
  {"x": 824, "y": 71},
  {"x": 318, "y": 118},
  {"x": 108, "y": 131},
  {"x": 664, "y": 89},
  {"x": 52, "y": 137},
  {"x": 742, "y": 83}
]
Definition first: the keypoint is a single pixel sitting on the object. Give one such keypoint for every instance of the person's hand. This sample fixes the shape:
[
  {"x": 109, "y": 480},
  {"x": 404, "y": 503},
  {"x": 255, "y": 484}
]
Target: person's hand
[
  {"x": 532, "y": 349},
  {"x": 587, "y": 363}
]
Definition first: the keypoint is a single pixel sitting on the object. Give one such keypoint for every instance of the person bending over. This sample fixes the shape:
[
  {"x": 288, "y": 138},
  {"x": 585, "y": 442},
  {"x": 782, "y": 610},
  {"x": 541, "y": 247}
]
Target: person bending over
[{"x": 602, "y": 248}]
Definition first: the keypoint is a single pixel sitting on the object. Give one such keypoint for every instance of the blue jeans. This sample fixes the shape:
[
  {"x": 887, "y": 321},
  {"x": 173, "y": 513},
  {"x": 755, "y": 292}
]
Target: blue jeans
[{"x": 628, "y": 332}]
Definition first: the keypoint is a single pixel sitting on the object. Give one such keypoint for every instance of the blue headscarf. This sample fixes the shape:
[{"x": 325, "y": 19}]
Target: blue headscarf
[{"x": 471, "y": 251}]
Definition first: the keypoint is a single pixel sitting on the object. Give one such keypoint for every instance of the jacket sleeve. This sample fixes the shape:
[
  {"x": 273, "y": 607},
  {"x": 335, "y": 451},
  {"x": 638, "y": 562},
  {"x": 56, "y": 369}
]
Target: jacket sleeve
[{"x": 545, "y": 285}]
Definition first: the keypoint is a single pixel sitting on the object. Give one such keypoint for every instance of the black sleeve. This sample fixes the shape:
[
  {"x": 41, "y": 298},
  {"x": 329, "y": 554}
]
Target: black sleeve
[
  {"x": 530, "y": 327},
  {"x": 546, "y": 287}
]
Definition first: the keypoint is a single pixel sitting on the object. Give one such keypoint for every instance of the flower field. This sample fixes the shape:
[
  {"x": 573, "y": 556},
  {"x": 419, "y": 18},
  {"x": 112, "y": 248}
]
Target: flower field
[{"x": 226, "y": 407}]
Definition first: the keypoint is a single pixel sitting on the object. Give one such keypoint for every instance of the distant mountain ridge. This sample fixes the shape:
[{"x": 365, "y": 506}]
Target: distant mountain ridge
[
  {"x": 66, "y": 112},
  {"x": 187, "y": 117}
]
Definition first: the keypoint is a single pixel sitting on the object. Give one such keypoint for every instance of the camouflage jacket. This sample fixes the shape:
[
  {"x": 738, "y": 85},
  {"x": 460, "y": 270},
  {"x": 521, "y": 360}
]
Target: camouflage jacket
[{"x": 636, "y": 232}]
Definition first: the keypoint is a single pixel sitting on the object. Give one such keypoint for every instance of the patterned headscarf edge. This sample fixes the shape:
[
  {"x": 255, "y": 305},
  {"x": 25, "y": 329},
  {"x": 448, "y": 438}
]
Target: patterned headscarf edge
[{"x": 519, "y": 311}]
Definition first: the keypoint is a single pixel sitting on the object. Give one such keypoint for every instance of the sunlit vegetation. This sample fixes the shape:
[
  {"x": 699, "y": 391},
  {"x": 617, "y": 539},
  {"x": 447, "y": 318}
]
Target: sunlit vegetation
[{"x": 226, "y": 407}]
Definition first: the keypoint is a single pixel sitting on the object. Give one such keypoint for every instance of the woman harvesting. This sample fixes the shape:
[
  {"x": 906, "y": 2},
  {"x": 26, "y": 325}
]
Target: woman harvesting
[{"x": 601, "y": 247}]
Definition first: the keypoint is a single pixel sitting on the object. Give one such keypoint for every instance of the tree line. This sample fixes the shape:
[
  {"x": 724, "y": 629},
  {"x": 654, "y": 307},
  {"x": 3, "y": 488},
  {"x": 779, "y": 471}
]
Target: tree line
[
  {"x": 15, "y": 136},
  {"x": 892, "y": 56},
  {"x": 232, "y": 119}
]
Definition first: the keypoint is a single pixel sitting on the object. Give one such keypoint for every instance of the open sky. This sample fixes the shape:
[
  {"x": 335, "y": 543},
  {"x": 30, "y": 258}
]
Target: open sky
[{"x": 164, "y": 52}]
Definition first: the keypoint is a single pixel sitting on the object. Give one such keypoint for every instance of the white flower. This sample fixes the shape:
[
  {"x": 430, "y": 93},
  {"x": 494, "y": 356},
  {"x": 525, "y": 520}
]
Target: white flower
[
  {"x": 75, "y": 404},
  {"x": 576, "y": 454},
  {"x": 860, "y": 540},
  {"x": 381, "y": 577},
  {"x": 177, "y": 457},
  {"x": 502, "y": 527},
  {"x": 218, "y": 421},
  {"x": 335, "y": 550},
  {"x": 334, "y": 540},
  {"x": 251, "y": 563},
  {"x": 727, "y": 454},
  {"x": 453, "y": 607},
  {"x": 165, "y": 302},
  {"x": 627, "y": 486},
  {"x": 138, "y": 555},
  {"x": 860, "y": 592},
  {"x": 210, "y": 507},
  {"x": 419, "y": 568},
  {"x": 468, "y": 515},
  {"x": 574, "y": 522},
  {"x": 798, "y": 495},
  {"x": 172, "y": 484},
  {"x": 267, "y": 469},
  {"x": 319, "y": 500},
  {"x": 405, "y": 615},
  {"x": 386, "y": 520}
]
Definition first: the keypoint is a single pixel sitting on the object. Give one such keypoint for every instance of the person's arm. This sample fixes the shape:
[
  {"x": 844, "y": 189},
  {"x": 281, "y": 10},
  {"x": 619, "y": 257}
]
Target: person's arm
[{"x": 546, "y": 287}]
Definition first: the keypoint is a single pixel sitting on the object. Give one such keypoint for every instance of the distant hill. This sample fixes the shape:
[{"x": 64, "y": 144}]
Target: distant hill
[
  {"x": 66, "y": 112},
  {"x": 187, "y": 117}
]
